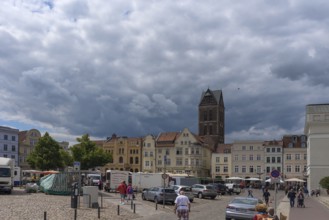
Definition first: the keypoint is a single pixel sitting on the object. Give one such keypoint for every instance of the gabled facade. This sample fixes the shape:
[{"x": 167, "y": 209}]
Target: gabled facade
[
  {"x": 9, "y": 143},
  {"x": 165, "y": 151},
  {"x": 221, "y": 162},
  {"x": 212, "y": 117},
  {"x": 273, "y": 156},
  {"x": 149, "y": 154},
  {"x": 294, "y": 156},
  {"x": 126, "y": 153},
  {"x": 27, "y": 140}
]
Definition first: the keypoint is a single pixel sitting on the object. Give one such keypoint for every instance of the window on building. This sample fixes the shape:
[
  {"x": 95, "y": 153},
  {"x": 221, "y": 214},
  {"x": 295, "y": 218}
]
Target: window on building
[
  {"x": 236, "y": 168},
  {"x": 236, "y": 157},
  {"x": 210, "y": 115},
  {"x": 192, "y": 150},
  {"x": 244, "y": 169},
  {"x": 251, "y": 169},
  {"x": 217, "y": 159},
  {"x": 278, "y": 150},
  {"x": 259, "y": 157},
  {"x": 297, "y": 156},
  {"x": 243, "y": 147},
  {"x": 225, "y": 159},
  {"x": 5, "y": 147},
  {"x": 186, "y": 151},
  {"x": 305, "y": 156},
  {"x": 251, "y": 157},
  {"x": 251, "y": 147},
  {"x": 290, "y": 145},
  {"x": 120, "y": 159},
  {"x": 13, "y": 138},
  {"x": 148, "y": 144},
  {"x": 273, "y": 159},
  {"x": 268, "y": 169},
  {"x": 197, "y": 151},
  {"x": 136, "y": 160},
  {"x": 179, "y": 151},
  {"x": 131, "y": 160},
  {"x": 243, "y": 157},
  {"x": 303, "y": 145},
  {"x": 288, "y": 157},
  {"x": 146, "y": 154},
  {"x": 168, "y": 161},
  {"x": 268, "y": 159},
  {"x": 288, "y": 168},
  {"x": 179, "y": 161},
  {"x": 167, "y": 151},
  {"x": 160, "y": 162},
  {"x": 186, "y": 162},
  {"x": 147, "y": 163},
  {"x": 259, "y": 169},
  {"x": 225, "y": 169},
  {"x": 205, "y": 116},
  {"x": 151, "y": 153},
  {"x": 5, "y": 137},
  {"x": 273, "y": 149},
  {"x": 268, "y": 150},
  {"x": 297, "y": 168},
  {"x": 217, "y": 170},
  {"x": 278, "y": 159},
  {"x": 197, "y": 162}
]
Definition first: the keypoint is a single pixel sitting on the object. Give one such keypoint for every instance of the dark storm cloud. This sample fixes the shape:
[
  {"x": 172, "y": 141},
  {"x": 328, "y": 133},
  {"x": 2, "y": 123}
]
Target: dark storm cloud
[{"x": 139, "y": 67}]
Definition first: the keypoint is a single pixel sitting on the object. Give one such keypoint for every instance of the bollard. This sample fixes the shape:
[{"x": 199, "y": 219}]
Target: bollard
[
  {"x": 75, "y": 214},
  {"x": 118, "y": 209},
  {"x": 99, "y": 212},
  {"x": 101, "y": 200},
  {"x": 45, "y": 215},
  {"x": 134, "y": 208},
  {"x": 156, "y": 206},
  {"x": 131, "y": 203}
]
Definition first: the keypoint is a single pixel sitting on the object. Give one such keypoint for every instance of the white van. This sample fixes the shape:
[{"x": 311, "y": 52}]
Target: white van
[{"x": 93, "y": 179}]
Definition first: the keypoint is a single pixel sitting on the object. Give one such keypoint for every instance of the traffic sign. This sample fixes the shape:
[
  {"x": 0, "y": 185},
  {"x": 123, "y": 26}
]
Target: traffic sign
[
  {"x": 76, "y": 165},
  {"x": 275, "y": 173}
]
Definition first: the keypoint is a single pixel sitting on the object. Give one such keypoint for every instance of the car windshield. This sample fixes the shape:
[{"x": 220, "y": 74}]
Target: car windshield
[
  {"x": 168, "y": 190},
  {"x": 4, "y": 172},
  {"x": 186, "y": 189},
  {"x": 209, "y": 187},
  {"x": 245, "y": 201}
]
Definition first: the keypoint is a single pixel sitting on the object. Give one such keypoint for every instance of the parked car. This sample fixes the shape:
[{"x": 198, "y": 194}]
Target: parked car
[
  {"x": 187, "y": 191},
  {"x": 242, "y": 208},
  {"x": 203, "y": 191},
  {"x": 158, "y": 194},
  {"x": 233, "y": 188},
  {"x": 220, "y": 188}
]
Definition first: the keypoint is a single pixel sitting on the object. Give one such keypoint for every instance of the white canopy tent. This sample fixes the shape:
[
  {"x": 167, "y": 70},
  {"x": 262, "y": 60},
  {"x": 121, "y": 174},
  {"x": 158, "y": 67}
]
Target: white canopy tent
[
  {"x": 252, "y": 179},
  {"x": 234, "y": 178},
  {"x": 270, "y": 180},
  {"x": 294, "y": 180}
]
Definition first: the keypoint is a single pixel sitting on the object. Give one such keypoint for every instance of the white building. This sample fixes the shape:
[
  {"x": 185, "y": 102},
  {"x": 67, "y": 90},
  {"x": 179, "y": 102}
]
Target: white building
[
  {"x": 9, "y": 143},
  {"x": 317, "y": 130}
]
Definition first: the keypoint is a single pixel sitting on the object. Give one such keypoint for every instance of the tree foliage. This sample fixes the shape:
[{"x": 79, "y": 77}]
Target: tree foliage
[
  {"x": 46, "y": 154},
  {"x": 88, "y": 154},
  {"x": 324, "y": 182}
]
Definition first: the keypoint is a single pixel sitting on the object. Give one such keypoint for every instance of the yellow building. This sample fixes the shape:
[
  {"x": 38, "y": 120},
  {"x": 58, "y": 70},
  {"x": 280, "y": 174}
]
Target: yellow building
[
  {"x": 27, "y": 141},
  {"x": 221, "y": 162},
  {"x": 126, "y": 153},
  {"x": 148, "y": 154}
]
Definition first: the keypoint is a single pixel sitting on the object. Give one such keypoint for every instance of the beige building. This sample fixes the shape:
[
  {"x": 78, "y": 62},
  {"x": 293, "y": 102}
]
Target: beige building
[
  {"x": 317, "y": 131},
  {"x": 273, "y": 155},
  {"x": 27, "y": 141},
  {"x": 248, "y": 159},
  {"x": 182, "y": 153},
  {"x": 294, "y": 156},
  {"x": 221, "y": 162},
  {"x": 148, "y": 154},
  {"x": 126, "y": 153}
]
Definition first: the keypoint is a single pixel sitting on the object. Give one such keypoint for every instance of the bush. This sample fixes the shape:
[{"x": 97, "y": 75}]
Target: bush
[{"x": 324, "y": 182}]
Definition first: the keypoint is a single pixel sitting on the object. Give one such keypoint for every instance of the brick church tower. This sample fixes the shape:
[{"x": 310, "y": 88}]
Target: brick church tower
[{"x": 212, "y": 117}]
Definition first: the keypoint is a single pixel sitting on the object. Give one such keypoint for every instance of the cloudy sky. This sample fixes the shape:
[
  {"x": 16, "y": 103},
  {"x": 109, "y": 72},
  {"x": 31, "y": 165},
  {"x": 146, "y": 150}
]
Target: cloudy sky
[{"x": 133, "y": 68}]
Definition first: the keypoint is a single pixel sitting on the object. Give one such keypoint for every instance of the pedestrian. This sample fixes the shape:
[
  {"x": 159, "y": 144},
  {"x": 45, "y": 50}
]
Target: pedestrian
[
  {"x": 292, "y": 196},
  {"x": 182, "y": 206},
  {"x": 250, "y": 192},
  {"x": 130, "y": 192},
  {"x": 122, "y": 189},
  {"x": 300, "y": 199},
  {"x": 266, "y": 196},
  {"x": 270, "y": 212},
  {"x": 261, "y": 212}
]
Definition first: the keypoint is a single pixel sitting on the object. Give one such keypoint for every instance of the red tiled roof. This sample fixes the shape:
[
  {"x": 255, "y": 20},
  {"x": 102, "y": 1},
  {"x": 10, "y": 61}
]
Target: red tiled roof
[
  {"x": 167, "y": 136},
  {"x": 223, "y": 147}
]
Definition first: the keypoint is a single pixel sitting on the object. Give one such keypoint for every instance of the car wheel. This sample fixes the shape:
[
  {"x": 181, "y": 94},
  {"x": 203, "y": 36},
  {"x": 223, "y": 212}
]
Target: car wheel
[
  {"x": 143, "y": 197},
  {"x": 227, "y": 218},
  {"x": 213, "y": 197},
  {"x": 200, "y": 196}
]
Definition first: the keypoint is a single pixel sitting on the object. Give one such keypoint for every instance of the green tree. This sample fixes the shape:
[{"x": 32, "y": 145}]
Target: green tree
[
  {"x": 324, "y": 182},
  {"x": 66, "y": 157},
  {"x": 46, "y": 154},
  {"x": 88, "y": 154}
]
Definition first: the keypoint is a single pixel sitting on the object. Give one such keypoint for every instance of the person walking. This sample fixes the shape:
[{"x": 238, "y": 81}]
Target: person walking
[
  {"x": 250, "y": 192},
  {"x": 266, "y": 196},
  {"x": 130, "y": 192},
  {"x": 122, "y": 189},
  {"x": 292, "y": 196},
  {"x": 182, "y": 206}
]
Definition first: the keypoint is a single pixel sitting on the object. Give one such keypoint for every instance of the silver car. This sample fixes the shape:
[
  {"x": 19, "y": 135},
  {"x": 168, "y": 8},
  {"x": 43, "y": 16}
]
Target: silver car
[
  {"x": 203, "y": 191},
  {"x": 187, "y": 191},
  {"x": 242, "y": 208},
  {"x": 158, "y": 194}
]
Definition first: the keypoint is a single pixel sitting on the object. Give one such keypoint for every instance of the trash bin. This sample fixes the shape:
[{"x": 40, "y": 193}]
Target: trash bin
[{"x": 90, "y": 196}]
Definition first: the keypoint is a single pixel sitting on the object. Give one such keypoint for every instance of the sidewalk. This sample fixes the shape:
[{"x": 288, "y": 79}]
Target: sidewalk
[{"x": 315, "y": 208}]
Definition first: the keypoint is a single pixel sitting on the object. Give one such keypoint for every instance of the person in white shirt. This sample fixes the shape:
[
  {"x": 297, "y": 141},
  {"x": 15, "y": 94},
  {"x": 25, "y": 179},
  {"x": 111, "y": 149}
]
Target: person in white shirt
[{"x": 182, "y": 206}]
